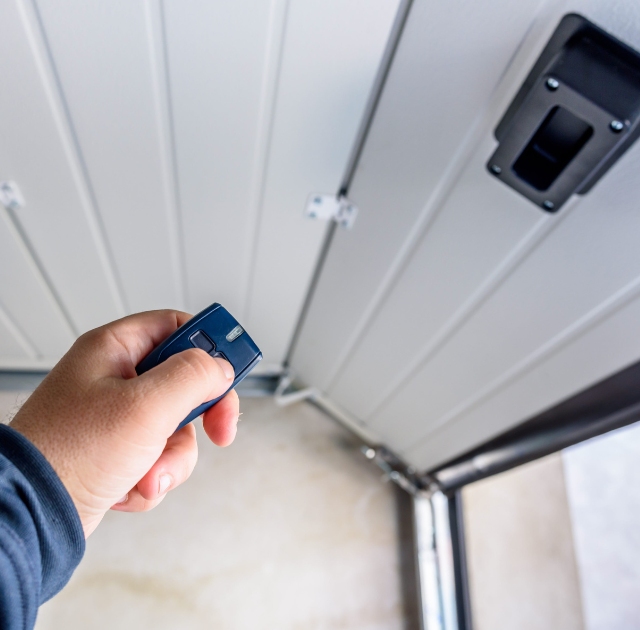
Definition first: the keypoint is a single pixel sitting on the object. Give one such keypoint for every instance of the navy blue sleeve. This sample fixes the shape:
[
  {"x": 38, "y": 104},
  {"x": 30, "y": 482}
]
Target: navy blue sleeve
[{"x": 41, "y": 537}]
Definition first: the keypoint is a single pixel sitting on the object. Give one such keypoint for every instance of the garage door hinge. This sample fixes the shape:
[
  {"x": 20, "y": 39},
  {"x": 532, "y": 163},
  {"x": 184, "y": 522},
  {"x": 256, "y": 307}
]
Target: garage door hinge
[
  {"x": 331, "y": 207},
  {"x": 400, "y": 473},
  {"x": 10, "y": 196}
]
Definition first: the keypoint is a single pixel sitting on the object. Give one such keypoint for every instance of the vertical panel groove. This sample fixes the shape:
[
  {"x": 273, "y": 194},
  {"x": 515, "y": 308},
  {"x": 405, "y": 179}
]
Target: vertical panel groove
[
  {"x": 158, "y": 54},
  {"x": 352, "y": 163},
  {"x": 36, "y": 35},
  {"x": 40, "y": 270},
  {"x": 268, "y": 102},
  {"x": 378, "y": 86}
]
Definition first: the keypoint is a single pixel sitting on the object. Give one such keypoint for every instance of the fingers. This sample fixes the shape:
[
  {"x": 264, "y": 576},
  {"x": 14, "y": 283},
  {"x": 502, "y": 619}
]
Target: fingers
[
  {"x": 174, "y": 466},
  {"x": 135, "y": 502},
  {"x": 220, "y": 422},
  {"x": 175, "y": 387},
  {"x": 139, "y": 334},
  {"x": 177, "y": 461}
]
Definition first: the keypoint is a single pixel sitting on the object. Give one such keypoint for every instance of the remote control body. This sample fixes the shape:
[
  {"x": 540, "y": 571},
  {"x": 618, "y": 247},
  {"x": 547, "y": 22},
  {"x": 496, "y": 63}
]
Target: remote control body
[{"x": 215, "y": 331}]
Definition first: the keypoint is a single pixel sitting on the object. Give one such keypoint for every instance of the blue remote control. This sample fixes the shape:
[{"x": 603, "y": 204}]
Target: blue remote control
[{"x": 215, "y": 331}]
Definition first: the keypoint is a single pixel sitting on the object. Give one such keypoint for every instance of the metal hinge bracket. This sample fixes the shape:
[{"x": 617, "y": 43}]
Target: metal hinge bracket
[
  {"x": 397, "y": 471},
  {"x": 331, "y": 207}
]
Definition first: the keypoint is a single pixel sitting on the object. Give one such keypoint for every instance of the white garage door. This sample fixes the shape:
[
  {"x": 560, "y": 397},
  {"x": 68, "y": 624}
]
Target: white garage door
[{"x": 455, "y": 308}]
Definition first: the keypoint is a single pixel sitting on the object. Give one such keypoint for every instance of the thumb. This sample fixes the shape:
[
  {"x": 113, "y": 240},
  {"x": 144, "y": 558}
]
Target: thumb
[{"x": 172, "y": 389}]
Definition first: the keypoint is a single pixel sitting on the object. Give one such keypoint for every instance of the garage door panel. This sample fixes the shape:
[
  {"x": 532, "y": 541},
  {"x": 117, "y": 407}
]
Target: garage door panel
[
  {"x": 37, "y": 151},
  {"x": 108, "y": 59},
  {"x": 424, "y": 333},
  {"x": 590, "y": 256},
  {"x": 35, "y": 327},
  {"x": 455, "y": 267},
  {"x": 413, "y": 153}
]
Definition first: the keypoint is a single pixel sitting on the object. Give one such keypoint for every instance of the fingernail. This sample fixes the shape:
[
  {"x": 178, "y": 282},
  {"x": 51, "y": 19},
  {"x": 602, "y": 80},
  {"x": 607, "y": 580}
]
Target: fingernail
[
  {"x": 165, "y": 482},
  {"x": 226, "y": 367},
  {"x": 238, "y": 419},
  {"x": 124, "y": 499}
]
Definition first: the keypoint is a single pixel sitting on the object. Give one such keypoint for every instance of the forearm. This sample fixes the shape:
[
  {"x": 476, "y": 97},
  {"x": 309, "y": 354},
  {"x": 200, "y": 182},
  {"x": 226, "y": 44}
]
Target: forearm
[{"x": 41, "y": 537}]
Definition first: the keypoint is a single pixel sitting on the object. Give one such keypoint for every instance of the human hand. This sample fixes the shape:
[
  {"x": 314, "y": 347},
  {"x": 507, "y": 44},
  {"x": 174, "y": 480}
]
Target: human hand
[{"x": 108, "y": 433}]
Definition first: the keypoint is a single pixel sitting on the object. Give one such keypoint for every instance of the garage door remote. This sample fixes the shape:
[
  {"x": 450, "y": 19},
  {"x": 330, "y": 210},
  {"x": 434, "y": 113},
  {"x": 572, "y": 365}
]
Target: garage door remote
[{"x": 215, "y": 331}]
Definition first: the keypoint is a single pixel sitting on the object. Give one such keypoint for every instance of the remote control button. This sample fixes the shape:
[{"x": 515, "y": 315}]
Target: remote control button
[{"x": 200, "y": 340}]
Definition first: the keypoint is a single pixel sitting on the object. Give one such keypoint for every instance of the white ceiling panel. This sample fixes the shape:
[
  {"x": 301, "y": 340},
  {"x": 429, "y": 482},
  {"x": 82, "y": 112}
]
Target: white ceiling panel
[
  {"x": 330, "y": 56},
  {"x": 441, "y": 318},
  {"x": 37, "y": 150},
  {"x": 407, "y": 168},
  {"x": 593, "y": 350},
  {"x": 109, "y": 61},
  {"x": 589, "y": 256},
  {"x": 463, "y": 255},
  {"x": 166, "y": 149},
  {"x": 217, "y": 59},
  {"x": 14, "y": 350},
  {"x": 264, "y": 114}
]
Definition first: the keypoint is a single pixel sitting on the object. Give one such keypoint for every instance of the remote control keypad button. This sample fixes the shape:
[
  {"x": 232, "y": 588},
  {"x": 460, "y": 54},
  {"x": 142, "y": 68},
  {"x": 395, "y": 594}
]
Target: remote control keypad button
[{"x": 200, "y": 340}]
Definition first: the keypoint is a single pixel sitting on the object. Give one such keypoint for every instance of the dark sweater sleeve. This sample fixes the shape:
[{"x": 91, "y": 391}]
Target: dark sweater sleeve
[{"x": 41, "y": 537}]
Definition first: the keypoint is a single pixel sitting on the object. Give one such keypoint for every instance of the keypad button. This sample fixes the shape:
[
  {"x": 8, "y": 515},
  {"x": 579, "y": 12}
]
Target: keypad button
[{"x": 200, "y": 340}]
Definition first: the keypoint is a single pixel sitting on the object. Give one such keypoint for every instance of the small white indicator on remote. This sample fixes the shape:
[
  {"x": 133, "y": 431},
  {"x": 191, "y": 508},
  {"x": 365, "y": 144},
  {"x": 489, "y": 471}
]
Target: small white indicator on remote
[{"x": 235, "y": 333}]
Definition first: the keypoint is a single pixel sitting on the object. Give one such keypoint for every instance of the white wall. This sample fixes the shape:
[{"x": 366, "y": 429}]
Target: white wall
[
  {"x": 603, "y": 487},
  {"x": 520, "y": 551}
]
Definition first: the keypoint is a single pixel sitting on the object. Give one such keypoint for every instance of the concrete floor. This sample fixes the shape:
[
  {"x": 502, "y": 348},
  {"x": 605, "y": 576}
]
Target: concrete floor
[
  {"x": 10, "y": 403},
  {"x": 289, "y": 528}
]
